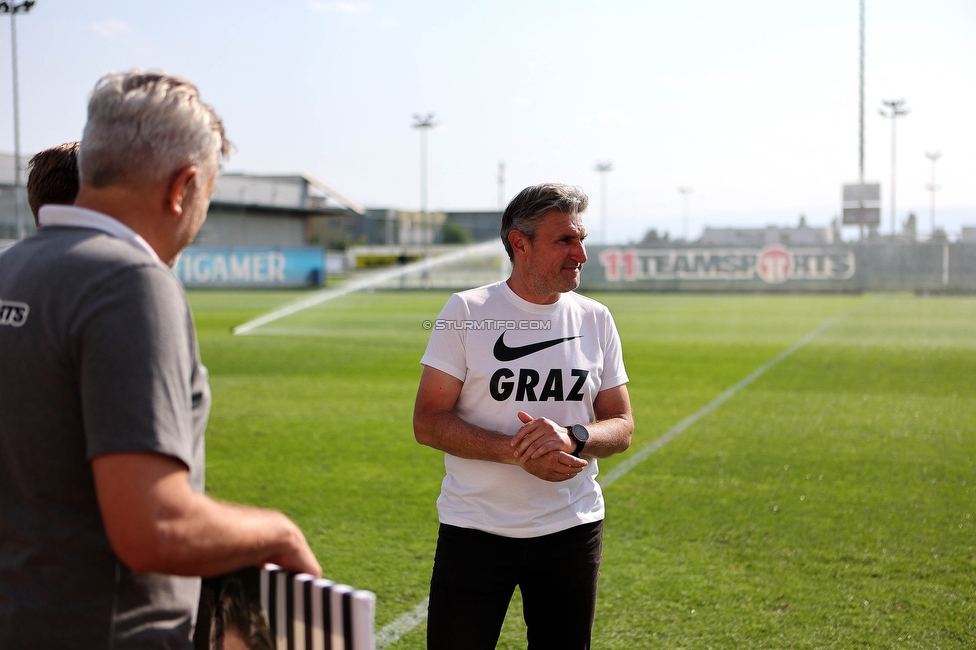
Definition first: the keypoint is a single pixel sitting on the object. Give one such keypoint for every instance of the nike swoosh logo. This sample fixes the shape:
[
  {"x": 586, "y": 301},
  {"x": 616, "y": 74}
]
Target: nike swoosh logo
[{"x": 504, "y": 353}]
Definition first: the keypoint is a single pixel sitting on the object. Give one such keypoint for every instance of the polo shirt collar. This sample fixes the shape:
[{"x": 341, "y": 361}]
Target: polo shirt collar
[{"x": 71, "y": 216}]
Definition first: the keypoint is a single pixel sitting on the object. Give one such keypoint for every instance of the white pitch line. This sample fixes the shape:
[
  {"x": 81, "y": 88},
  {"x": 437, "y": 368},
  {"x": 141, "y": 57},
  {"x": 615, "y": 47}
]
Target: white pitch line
[
  {"x": 398, "y": 628},
  {"x": 673, "y": 432},
  {"x": 392, "y": 632},
  {"x": 323, "y": 295}
]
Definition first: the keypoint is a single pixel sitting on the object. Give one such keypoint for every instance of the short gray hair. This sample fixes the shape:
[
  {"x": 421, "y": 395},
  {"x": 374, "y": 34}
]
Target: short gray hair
[
  {"x": 532, "y": 204},
  {"x": 144, "y": 126}
]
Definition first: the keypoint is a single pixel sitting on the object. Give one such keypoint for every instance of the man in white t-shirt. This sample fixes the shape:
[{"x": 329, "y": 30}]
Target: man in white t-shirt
[{"x": 523, "y": 388}]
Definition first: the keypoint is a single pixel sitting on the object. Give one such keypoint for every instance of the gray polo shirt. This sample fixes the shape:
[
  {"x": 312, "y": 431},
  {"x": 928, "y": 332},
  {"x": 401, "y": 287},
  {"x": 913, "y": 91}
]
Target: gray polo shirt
[{"x": 98, "y": 355}]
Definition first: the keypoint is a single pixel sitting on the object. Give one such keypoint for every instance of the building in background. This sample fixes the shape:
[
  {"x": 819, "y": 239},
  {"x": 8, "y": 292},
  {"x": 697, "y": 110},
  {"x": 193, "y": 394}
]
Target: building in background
[
  {"x": 246, "y": 210},
  {"x": 276, "y": 211},
  {"x": 391, "y": 227},
  {"x": 291, "y": 210},
  {"x": 802, "y": 235},
  {"x": 258, "y": 230},
  {"x": 8, "y": 215}
]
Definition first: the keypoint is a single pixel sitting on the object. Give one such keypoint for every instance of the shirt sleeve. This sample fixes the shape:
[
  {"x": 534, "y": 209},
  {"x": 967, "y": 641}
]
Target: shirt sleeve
[
  {"x": 445, "y": 349},
  {"x": 136, "y": 366},
  {"x": 614, "y": 373}
]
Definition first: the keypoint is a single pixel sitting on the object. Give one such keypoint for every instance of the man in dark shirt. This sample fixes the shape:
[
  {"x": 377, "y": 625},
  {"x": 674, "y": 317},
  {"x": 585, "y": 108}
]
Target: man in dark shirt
[{"x": 104, "y": 527}]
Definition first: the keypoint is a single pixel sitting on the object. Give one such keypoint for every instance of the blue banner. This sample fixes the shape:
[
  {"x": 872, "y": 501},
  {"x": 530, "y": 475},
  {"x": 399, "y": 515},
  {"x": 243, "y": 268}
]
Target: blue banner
[{"x": 251, "y": 267}]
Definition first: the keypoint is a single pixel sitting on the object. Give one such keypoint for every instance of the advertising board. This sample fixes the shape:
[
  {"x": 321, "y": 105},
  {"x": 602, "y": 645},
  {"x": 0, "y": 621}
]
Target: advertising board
[
  {"x": 251, "y": 267},
  {"x": 773, "y": 266}
]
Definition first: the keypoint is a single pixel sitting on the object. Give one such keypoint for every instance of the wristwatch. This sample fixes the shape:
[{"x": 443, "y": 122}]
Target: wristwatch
[{"x": 578, "y": 433}]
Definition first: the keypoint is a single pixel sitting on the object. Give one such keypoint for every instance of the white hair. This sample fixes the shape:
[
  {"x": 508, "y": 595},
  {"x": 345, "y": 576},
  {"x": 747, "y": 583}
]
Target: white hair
[{"x": 143, "y": 126}]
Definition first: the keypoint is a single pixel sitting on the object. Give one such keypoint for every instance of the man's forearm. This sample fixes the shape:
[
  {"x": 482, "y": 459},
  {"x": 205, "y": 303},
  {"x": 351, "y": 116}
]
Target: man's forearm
[
  {"x": 608, "y": 437},
  {"x": 614, "y": 426},
  {"x": 156, "y": 523},
  {"x": 447, "y": 432},
  {"x": 213, "y": 537}
]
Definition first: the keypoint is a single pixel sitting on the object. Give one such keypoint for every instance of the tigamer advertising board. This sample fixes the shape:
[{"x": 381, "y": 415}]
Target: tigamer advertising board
[{"x": 251, "y": 267}]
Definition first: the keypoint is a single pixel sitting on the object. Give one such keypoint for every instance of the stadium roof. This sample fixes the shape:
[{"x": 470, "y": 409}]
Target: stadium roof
[
  {"x": 288, "y": 192},
  {"x": 299, "y": 191}
]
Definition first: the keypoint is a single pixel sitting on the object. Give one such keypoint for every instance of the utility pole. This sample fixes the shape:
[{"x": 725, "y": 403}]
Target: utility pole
[
  {"x": 13, "y": 9},
  {"x": 602, "y": 169},
  {"x": 684, "y": 192},
  {"x": 932, "y": 187},
  {"x": 896, "y": 109}
]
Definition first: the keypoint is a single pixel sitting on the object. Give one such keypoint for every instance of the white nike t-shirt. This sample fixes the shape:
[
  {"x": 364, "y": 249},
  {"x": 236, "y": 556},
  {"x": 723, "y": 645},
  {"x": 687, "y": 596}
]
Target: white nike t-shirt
[{"x": 512, "y": 355}]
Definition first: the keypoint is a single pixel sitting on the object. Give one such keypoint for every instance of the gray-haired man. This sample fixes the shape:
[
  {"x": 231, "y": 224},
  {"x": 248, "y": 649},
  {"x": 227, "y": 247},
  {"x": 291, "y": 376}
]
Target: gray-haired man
[
  {"x": 103, "y": 521},
  {"x": 523, "y": 388}
]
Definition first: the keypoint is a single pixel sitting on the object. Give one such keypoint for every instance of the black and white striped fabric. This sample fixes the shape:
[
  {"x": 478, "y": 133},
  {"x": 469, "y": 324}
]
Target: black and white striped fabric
[{"x": 306, "y": 613}]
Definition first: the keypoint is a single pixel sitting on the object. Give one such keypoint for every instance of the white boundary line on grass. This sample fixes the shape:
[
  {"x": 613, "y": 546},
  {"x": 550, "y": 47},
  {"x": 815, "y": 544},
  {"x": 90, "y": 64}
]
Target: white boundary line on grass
[
  {"x": 323, "y": 295},
  {"x": 393, "y": 631},
  {"x": 648, "y": 449},
  {"x": 398, "y": 628}
]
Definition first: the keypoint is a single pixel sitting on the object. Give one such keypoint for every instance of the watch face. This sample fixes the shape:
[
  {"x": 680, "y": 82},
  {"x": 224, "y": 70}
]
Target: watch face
[{"x": 580, "y": 433}]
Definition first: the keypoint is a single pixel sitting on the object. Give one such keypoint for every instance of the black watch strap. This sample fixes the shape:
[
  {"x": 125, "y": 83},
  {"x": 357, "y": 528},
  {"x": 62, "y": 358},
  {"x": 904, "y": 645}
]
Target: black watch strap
[{"x": 580, "y": 434}]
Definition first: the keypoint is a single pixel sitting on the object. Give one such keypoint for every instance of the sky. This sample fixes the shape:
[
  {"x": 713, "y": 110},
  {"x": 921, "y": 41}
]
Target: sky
[{"x": 751, "y": 105}]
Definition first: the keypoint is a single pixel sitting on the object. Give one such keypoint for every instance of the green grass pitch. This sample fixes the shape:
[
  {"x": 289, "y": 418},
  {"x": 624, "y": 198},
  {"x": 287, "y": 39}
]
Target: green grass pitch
[{"x": 828, "y": 504}]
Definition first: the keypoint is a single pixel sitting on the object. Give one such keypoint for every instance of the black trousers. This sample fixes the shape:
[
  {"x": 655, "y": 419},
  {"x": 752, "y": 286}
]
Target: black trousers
[{"x": 475, "y": 575}]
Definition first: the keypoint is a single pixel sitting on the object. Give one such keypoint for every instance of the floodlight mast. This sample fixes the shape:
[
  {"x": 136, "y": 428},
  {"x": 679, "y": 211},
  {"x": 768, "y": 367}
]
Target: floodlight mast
[
  {"x": 860, "y": 212},
  {"x": 602, "y": 169},
  {"x": 13, "y": 9},
  {"x": 424, "y": 124},
  {"x": 896, "y": 109},
  {"x": 932, "y": 187},
  {"x": 861, "y": 121}
]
